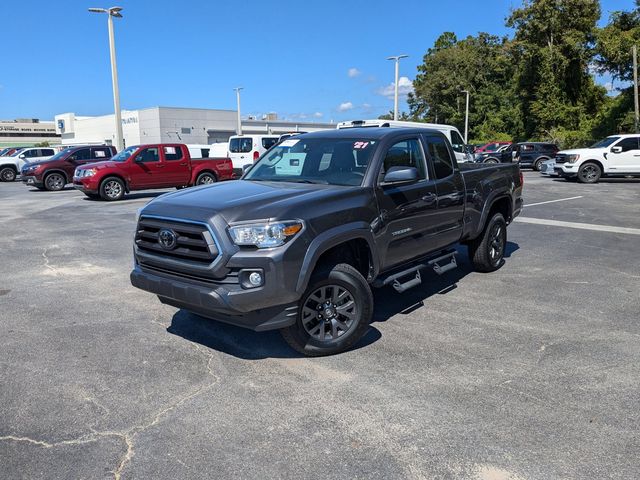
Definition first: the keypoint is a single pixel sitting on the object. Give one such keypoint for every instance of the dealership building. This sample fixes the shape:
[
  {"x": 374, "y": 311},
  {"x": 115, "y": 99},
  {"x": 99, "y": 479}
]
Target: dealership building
[
  {"x": 169, "y": 124},
  {"x": 26, "y": 132}
]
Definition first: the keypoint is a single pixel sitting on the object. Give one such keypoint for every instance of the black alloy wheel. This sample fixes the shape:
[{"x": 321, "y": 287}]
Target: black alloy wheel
[
  {"x": 329, "y": 312},
  {"x": 589, "y": 173}
]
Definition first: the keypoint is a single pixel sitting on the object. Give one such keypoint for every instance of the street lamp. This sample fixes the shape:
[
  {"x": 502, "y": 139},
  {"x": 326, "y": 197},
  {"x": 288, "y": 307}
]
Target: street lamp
[
  {"x": 395, "y": 97},
  {"x": 113, "y": 12},
  {"x": 239, "y": 127},
  {"x": 466, "y": 119}
]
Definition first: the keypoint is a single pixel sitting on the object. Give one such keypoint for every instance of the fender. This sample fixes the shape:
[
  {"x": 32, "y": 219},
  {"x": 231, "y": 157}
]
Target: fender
[
  {"x": 331, "y": 238},
  {"x": 491, "y": 199},
  {"x": 55, "y": 170}
]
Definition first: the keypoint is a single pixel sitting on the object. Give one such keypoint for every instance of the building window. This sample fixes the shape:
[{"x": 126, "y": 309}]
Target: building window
[{"x": 186, "y": 130}]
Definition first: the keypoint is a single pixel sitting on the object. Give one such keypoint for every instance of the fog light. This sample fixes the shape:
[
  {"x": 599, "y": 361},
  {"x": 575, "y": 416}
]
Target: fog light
[{"x": 255, "y": 279}]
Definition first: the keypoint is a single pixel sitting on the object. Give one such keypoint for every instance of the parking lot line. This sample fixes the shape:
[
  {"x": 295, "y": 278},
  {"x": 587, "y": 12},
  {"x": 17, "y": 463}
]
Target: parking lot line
[
  {"x": 582, "y": 226},
  {"x": 553, "y": 201}
]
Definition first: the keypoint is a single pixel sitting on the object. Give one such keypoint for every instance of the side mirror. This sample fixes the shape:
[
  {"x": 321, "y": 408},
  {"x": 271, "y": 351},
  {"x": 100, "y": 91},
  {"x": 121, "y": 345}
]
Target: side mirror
[
  {"x": 138, "y": 159},
  {"x": 616, "y": 149},
  {"x": 401, "y": 175}
]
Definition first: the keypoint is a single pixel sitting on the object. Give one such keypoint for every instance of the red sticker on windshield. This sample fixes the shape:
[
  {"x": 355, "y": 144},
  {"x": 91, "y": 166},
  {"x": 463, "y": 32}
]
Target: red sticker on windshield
[{"x": 360, "y": 145}]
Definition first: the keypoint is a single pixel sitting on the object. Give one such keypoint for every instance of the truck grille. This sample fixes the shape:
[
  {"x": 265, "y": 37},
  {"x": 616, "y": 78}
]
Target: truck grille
[
  {"x": 560, "y": 159},
  {"x": 182, "y": 241}
]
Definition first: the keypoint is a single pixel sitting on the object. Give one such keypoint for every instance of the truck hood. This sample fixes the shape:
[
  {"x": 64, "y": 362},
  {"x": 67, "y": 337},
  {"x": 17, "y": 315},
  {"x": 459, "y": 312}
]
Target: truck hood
[
  {"x": 583, "y": 151},
  {"x": 98, "y": 165},
  {"x": 242, "y": 200}
]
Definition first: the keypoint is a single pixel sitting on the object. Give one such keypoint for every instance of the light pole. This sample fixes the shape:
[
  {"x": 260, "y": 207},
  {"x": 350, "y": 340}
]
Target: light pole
[
  {"x": 395, "y": 95},
  {"x": 114, "y": 12},
  {"x": 239, "y": 127},
  {"x": 466, "y": 119}
]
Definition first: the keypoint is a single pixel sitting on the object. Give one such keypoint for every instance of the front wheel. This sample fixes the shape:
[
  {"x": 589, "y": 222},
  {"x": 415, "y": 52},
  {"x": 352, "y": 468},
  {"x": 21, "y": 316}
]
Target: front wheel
[
  {"x": 487, "y": 251},
  {"x": 7, "y": 174},
  {"x": 111, "y": 189},
  {"x": 491, "y": 160},
  {"x": 589, "y": 173},
  {"x": 54, "y": 182},
  {"x": 334, "y": 313}
]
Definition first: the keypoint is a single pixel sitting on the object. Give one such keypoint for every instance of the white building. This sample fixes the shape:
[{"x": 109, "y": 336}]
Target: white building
[
  {"x": 168, "y": 124},
  {"x": 27, "y": 132}
]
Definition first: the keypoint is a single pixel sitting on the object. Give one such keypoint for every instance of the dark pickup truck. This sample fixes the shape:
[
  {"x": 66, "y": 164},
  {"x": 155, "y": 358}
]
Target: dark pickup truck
[{"x": 299, "y": 241}]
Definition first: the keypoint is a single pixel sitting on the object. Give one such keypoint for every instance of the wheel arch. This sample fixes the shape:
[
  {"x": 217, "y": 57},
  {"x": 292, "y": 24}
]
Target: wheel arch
[
  {"x": 500, "y": 202},
  {"x": 593, "y": 160},
  {"x": 352, "y": 242},
  {"x": 55, "y": 170},
  {"x": 204, "y": 170}
]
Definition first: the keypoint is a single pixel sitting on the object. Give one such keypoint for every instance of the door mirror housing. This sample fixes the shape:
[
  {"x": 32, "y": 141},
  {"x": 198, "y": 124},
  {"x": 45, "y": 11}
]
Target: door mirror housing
[
  {"x": 401, "y": 175},
  {"x": 616, "y": 149}
]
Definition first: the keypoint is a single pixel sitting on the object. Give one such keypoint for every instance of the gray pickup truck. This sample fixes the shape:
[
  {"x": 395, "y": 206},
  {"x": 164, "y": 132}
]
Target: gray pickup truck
[{"x": 298, "y": 243}]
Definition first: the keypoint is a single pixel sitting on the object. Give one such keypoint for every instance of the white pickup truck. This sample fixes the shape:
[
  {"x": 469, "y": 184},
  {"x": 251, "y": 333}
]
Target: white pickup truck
[
  {"x": 615, "y": 156},
  {"x": 11, "y": 165}
]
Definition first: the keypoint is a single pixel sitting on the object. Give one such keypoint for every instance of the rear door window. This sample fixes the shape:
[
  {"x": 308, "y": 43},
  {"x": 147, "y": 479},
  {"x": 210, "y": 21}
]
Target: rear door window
[
  {"x": 101, "y": 153},
  {"x": 82, "y": 154},
  {"x": 440, "y": 156},
  {"x": 173, "y": 153},
  {"x": 240, "y": 145},
  {"x": 267, "y": 142},
  {"x": 47, "y": 152}
]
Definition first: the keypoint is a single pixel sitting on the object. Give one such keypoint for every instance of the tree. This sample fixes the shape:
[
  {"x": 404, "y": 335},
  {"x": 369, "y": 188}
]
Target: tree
[{"x": 614, "y": 43}]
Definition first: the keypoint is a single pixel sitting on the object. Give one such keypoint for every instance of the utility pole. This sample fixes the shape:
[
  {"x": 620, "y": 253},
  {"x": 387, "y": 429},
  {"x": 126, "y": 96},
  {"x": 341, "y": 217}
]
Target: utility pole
[
  {"x": 114, "y": 12},
  {"x": 635, "y": 87},
  {"x": 395, "y": 96},
  {"x": 466, "y": 119},
  {"x": 239, "y": 127}
]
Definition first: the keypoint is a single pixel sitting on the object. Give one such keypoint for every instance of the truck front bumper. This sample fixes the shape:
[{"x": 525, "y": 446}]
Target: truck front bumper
[
  {"x": 218, "y": 301},
  {"x": 566, "y": 171},
  {"x": 86, "y": 184}
]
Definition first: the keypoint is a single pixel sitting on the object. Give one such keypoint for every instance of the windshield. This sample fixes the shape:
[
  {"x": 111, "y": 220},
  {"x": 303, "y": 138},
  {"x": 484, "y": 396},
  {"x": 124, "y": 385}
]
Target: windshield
[
  {"x": 328, "y": 161},
  {"x": 124, "y": 155},
  {"x": 605, "y": 143},
  {"x": 60, "y": 154}
]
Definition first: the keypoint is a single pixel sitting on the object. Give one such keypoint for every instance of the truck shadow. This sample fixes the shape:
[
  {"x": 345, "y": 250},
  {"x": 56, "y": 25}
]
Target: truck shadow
[{"x": 249, "y": 345}]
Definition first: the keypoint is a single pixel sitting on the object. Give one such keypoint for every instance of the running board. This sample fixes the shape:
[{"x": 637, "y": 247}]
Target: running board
[{"x": 440, "y": 265}]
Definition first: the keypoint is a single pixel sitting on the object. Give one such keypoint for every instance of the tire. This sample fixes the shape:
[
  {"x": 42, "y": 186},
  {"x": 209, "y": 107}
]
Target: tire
[
  {"x": 487, "y": 251},
  {"x": 54, "y": 182},
  {"x": 491, "y": 160},
  {"x": 206, "y": 178},
  {"x": 341, "y": 322},
  {"x": 112, "y": 189},
  {"x": 537, "y": 165},
  {"x": 8, "y": 174},
  {"x": 589, "y": 172}
]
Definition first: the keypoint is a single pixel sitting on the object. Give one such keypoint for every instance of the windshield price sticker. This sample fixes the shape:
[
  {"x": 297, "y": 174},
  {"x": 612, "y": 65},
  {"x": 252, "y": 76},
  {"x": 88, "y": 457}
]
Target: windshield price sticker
[
  {"x": 99, "y": 153},
  {"x": 289, "y": 143},
  {"x": 170, "y": 150},
  {"x": 360, "y": 145}
]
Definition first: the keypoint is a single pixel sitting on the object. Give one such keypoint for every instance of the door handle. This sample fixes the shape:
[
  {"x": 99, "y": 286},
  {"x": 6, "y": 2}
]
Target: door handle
[
  {"x": 429, "y": 198},
  {"x": 183, "y": 164},
  {"x": 159, "y": 166}
]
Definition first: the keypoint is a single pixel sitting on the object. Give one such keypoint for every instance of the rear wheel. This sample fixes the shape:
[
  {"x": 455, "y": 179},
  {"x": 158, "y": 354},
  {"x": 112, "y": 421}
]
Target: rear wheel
[
  {"x": 537, "y": 165},
  {"x": 491, "y": 160},
  {"x": 206, "y": 178},
  {"x": 334, "y": 314},
  {"x": 487, "y": 251},
  {"x": 112, "y": 189},
  {"x": 7, "y": 174},
  {"x": 54, "y": 182},
  {"x": 589, "y": 173}
]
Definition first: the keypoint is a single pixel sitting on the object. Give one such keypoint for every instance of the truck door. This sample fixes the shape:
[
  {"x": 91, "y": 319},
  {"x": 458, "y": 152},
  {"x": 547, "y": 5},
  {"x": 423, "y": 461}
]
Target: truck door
[
  {"x": 407, "y": 211},
  {"x": 450, "y": 189},
  {"x": 177, "y": 169},
  {"x": 145, "y": 169},
  {"x": 625, "y": 158}
]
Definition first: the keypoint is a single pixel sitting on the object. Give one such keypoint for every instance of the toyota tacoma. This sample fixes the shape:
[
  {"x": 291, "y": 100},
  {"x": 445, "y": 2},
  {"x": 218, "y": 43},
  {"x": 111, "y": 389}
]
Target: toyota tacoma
[{"x": 298, "y": 243}]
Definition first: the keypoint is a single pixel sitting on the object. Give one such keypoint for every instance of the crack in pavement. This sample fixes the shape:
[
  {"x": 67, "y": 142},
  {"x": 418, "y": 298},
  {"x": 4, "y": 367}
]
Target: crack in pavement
[
  {"x": 128, "y": 436},
  {"x": 46, "y": 262}
]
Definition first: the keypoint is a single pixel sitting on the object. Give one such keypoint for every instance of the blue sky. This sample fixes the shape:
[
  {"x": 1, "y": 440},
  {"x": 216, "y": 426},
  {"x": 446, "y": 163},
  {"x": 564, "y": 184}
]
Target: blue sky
[{"x": 319, "y": 60}]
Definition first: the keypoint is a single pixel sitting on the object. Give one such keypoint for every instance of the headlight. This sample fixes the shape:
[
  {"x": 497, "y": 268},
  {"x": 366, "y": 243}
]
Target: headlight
[
  {"x": 265, "y": 235},
  {"x": 572, "y": 158},
  {"x": 90, "y": 172}
]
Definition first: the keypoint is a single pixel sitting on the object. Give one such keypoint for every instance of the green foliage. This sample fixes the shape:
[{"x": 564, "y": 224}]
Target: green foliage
[
  {"x": 42, "y": 144},
  {"x": 537, "y": 85}
]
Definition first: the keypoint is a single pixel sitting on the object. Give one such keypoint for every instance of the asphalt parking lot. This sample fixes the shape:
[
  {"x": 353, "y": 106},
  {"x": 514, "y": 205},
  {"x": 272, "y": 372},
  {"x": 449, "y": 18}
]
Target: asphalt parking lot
[{"x": 530, "y": 372}]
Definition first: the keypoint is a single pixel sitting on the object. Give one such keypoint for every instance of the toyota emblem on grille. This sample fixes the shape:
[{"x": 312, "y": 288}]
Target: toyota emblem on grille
[{"x": 167, "y": 239}]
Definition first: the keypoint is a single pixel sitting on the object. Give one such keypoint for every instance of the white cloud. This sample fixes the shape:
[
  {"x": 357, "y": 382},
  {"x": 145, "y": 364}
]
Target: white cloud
[
  {"x": 318, "y": 115},
  {"x": 353, "y": 72},
  {"x": 345, "y": 106},
  {"x": 405, "y": 86}
]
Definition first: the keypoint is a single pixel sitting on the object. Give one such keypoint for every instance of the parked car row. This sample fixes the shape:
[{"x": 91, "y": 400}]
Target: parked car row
[
  {"x": 527, "y": 154},
  {"x": 614, "y": 156},
  {"x": 14, "y": 158}
]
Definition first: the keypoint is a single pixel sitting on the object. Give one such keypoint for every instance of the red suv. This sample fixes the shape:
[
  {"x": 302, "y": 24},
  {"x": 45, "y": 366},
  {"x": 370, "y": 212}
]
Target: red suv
[{"x": 53, "y": 174}]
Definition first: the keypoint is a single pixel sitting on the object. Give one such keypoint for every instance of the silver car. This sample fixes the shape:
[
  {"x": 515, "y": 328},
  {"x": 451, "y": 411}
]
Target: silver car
[{"x": 546, "y": 168}]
